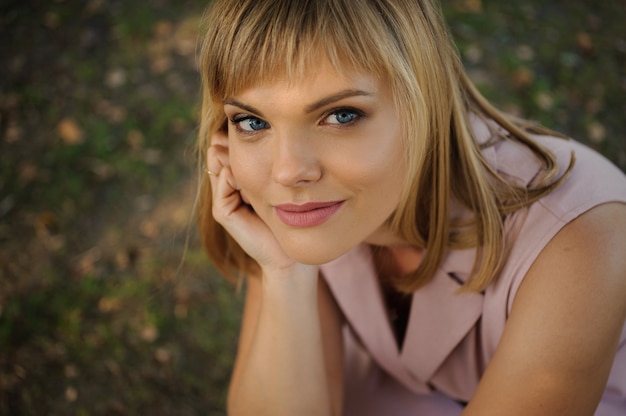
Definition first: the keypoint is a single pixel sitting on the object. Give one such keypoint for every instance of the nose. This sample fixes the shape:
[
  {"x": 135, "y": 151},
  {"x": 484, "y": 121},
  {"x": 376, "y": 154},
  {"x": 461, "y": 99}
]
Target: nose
[{"x": 295, "y": 161}]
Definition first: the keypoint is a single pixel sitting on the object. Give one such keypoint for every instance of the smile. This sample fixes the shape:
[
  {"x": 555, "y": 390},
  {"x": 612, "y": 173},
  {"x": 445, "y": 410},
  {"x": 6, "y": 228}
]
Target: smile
[{"x": 307, "y": 215}]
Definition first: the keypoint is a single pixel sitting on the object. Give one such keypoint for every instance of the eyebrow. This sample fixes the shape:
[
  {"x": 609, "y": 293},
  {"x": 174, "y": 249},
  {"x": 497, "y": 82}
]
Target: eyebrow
[
  {"x": 231, "y": 101},
  {"x": 334, "y": 98},
  {"x": 309, "y": 108}
]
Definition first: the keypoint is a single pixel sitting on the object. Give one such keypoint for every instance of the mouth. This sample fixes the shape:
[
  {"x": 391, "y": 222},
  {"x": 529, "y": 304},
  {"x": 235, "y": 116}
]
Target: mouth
[{"x": 307, "y": 215}]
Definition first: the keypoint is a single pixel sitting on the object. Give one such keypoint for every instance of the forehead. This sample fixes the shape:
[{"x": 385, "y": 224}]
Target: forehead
[
  {"x": 311, "y": 82},
  {"x": 314, "y": 67}
]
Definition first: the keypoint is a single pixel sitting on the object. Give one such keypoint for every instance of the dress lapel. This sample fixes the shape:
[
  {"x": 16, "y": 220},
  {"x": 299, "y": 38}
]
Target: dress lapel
[
  {"x": 440, "y": 319},
  {"x": 352, "y": 279}
]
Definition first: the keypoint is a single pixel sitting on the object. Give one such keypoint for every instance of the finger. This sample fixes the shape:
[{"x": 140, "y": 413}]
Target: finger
[
  {"x": 234, "y": 215},
  {"x": 215, "y": 160},
  {"x": 217, "y": 154},
  {"x": 226, "y": 197}
]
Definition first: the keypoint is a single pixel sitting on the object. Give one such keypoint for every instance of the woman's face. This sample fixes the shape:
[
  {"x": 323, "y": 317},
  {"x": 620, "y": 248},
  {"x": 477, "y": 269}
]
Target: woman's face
[{"x": 320, "y": 161}]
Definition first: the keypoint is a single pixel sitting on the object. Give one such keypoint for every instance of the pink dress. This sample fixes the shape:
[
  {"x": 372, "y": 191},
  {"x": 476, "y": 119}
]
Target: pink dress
[{"x": 451, "y": 338}]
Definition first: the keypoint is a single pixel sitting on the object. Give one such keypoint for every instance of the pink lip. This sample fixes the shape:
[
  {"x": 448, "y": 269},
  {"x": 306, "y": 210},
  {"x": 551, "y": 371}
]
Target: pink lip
[{"x": 307, "y": 215}]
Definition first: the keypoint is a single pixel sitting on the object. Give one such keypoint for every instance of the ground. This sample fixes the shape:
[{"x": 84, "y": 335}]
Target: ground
[{"x": 108, "y": 304}]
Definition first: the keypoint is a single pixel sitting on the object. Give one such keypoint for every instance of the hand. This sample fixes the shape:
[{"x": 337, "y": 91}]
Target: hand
[{"x": 231, "y": 210}]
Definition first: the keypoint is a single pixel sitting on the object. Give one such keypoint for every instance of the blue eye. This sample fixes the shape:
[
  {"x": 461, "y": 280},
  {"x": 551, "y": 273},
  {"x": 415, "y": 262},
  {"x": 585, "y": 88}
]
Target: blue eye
[
  {"x": 343, "y": 116},
  {"x": 249, "y": 124}
]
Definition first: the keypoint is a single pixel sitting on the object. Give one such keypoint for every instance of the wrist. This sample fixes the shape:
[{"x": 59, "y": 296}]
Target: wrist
[{"x": 297, "y": 271}]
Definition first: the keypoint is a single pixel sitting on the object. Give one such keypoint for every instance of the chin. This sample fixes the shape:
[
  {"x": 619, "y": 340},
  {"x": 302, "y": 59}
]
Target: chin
[{"x": 315, "y": 255}]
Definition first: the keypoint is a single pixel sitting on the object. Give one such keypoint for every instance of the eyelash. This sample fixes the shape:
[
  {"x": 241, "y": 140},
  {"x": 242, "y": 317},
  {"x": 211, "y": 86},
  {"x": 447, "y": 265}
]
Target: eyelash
[
  {"x": 358, "y": 115},
  {"x": 240, "y": 118}
]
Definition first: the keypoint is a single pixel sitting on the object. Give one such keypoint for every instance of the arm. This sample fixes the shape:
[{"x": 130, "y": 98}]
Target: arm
[
  {"x": 289, "y": 359},
  {"x": 558, "y": 346}
]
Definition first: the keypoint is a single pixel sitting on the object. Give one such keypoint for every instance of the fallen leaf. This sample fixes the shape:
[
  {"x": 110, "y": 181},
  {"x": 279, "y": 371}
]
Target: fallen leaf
[
  {"x": 115, "y": 78},
  {"x": 70, "y": 371},
  {"x": 19, "y": 371},
  {"x": 149, "y": 333},
  {"x": 86, "y": 264},
  {"x": 181, "y": 311},
  {"x": 13, "y": 133},
  {"x": 163, "y": 29},
  {"x": 471, "y": 6},
  {"x": 108, "y": 304},
  {"x": 163, "y": 355},
  {"x": 473, "y": 53},
  {"x": 525, "y": 53},
  {"x": 596, "y": 132},
  {"x": 584, "y": 42},
  {"x": 113, "y": 367},
  {"x": 135, "y": 139},
  {"x": 69, "y": 131},
  {"x": 28, "y": 172},
  {"x": 47, "y": 223},
  {"x": 545, "y": 101},
  {"x": 71, "y": 394},
  {"x": 161, "y": 64},
  {"x": 523, "y": 77}
]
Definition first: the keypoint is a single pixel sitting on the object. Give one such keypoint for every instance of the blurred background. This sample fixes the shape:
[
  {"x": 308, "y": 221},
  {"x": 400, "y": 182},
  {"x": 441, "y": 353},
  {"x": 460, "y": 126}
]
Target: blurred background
[{"x": 108, "y": 304}]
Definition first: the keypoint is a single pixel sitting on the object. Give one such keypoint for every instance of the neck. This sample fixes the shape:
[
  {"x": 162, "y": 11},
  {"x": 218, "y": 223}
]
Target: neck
[{"x": 397, "y": 260}]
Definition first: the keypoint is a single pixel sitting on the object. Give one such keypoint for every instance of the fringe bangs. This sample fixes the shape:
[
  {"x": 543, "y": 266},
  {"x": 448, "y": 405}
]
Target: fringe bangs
[{"x": 256, "y": 42}]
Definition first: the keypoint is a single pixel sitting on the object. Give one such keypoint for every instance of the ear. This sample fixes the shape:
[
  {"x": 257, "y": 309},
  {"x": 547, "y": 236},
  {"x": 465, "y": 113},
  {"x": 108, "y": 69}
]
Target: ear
[{"x": 220, "y": 138}]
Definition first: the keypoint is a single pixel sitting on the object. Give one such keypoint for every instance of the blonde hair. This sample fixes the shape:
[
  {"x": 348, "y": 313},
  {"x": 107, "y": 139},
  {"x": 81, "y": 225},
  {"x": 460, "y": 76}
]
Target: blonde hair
[{"x": 406, "y": 43}]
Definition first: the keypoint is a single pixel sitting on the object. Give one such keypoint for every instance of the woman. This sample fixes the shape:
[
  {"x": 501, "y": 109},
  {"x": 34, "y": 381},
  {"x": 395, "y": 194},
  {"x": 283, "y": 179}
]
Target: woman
[{"x": 407, "y": 248}]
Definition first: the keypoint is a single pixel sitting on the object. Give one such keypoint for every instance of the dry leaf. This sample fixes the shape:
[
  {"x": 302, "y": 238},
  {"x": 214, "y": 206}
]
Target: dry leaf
[
  {"x": 584, "y": 42},
  {"x": 28, "y": 172},
  {"x": 149, "y": 229},
  {"x": 13, "y": 133},
  {"x": 525, "y": 53},
  {"x": 163, "y": 29},
  {"x": 86, "y": 264},
  {"x": 545, "y": 101},
  {"x": 149, "y": 333},
  {"x": 70, "y": 371},
  {"x": 135, "y": 139},
  {"x": 115, "y": 78},
  {"x": 181, "y": 311},
  {"x": 471, "y": 6},
  {"x": 46, "y": 223},
  {"x": 113, "y": 367},
  {"x": 523, "y": 77},
  {"x": 163, "y": 355},
  {"x": 475, "y": 6},
  {"x": 107, "y": 304},
  {"x": 69, "y": 131},
  {"x": 71, "y": 394},
  {"x": 161, "y": 64},
  {"x": 596, "y": 132}
]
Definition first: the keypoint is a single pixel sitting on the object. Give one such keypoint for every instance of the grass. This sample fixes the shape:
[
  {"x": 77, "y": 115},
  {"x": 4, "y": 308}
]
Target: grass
[
  {"x": 560, "y": 63},
  {"x": 104, "y": 308}
]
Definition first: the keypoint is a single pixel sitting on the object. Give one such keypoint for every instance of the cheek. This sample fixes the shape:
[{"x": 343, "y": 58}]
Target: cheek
[
  {"x": 382, "y": 160},
  {"x": 247, "y": 171}
]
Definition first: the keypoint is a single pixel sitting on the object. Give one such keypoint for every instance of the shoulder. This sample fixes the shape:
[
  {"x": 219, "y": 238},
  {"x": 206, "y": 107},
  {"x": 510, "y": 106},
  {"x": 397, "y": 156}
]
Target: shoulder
[
  {"x": 586, "y": 256},
  {"x": 591, "y": 182},
  {"x": 565, "y": 324},
  {"x": 573, "y": 298}
]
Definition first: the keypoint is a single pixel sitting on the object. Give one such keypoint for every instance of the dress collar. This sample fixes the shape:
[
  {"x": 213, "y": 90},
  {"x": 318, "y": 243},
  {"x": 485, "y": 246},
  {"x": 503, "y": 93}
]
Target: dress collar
[{"x": 439, "y": 319}]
